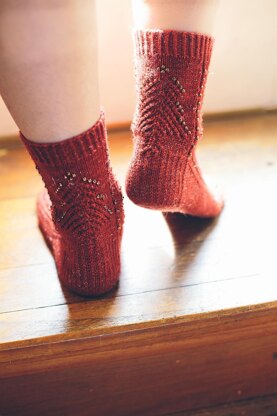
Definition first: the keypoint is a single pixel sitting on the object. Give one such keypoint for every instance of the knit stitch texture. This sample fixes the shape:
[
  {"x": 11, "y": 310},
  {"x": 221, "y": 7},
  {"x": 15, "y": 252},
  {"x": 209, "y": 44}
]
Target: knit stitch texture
[
  {"x": 171, "y": 72},
  {"x": 80, "y": 213}
]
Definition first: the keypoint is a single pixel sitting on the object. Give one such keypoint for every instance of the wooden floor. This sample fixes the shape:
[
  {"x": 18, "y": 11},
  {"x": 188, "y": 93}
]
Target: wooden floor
[{"x": 193, "y": 324}]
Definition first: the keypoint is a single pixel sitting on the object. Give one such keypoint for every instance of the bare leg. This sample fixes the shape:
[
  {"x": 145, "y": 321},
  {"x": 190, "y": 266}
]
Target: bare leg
[
  {"x": 48, "y": 62},
  {"x": 189, "y": 15}
]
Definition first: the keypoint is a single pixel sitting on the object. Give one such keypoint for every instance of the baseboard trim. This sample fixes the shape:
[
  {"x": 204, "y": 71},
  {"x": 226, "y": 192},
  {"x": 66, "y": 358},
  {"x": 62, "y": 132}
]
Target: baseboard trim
[
  {"x": 125, "y": 125},
  {"x": 239, "y": 113}
]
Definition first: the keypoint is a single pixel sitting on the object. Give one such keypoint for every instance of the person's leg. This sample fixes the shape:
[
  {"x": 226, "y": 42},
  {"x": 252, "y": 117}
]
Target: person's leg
[
  {"x": 48, "y": 80},
  {"x": 173, "y": 45},
  {"x": 189, "y": 15},
  {"x": 48, "y": 76}
]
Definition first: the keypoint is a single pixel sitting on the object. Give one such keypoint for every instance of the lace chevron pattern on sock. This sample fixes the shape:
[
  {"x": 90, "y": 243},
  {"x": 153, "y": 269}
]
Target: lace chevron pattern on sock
[
  {"x": 171, "y": 74},
  {"x": 81, "y": 211}
]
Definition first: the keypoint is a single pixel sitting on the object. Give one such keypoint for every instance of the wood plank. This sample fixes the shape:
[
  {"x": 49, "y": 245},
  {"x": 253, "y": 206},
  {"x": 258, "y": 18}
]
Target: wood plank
[
  {"x": 77, "y": 320},
  {"x": 147, "y": 371},
  {"x": 188, "y": 252}
]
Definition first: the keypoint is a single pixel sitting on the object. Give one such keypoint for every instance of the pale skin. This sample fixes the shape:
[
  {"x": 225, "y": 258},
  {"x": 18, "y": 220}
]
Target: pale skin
[
  {"x": 185, "y": 15},
  {"x": 48, "y": 76},
  {"x": 49, "y": 73}
]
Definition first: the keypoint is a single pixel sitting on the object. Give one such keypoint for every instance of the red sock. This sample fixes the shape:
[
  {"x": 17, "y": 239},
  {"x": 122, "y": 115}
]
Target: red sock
[
  {"x": 171, "y": 72},
  {"x": 82, "y": 220}
]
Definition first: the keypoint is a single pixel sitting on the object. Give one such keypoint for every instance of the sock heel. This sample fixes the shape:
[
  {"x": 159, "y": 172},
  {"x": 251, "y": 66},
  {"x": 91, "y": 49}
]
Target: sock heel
[
  {"x": 85, "y": 277},
  {"x": 75, "y": 267},
  {"x": 151, "y": 184}
]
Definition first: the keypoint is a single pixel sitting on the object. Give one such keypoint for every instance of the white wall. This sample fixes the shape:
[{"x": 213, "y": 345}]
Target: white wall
[
  {"x": 244, "y": 60},
  {"x": 243, "y": 68}
]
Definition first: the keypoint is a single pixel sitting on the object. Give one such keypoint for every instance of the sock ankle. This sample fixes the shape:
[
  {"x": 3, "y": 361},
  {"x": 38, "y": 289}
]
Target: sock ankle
[
  {"x": 171, "y": 73},
  {"x": 81, "y": 213}
]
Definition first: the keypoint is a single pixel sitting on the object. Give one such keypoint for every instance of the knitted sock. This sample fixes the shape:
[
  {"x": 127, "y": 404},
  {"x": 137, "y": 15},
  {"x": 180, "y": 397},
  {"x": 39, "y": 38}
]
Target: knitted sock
[
  {"x": 80, "y": 213},
  {"x": 171, "y": 72}
]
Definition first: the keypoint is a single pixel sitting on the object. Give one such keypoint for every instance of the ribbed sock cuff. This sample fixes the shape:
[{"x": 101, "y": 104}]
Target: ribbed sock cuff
[
  {"x": 66, "y": 151},
  {"x": 173, "y": 43}
]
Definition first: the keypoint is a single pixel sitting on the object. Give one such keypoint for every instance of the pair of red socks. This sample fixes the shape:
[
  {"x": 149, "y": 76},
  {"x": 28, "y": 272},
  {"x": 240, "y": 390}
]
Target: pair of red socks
[{"x": 80, "y": 212}]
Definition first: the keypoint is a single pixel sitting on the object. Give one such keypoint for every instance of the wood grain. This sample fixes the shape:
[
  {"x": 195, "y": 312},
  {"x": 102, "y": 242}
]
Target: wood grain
[
  {"x": 193, "y": 323},
  {"x": 149, "y": 371}
]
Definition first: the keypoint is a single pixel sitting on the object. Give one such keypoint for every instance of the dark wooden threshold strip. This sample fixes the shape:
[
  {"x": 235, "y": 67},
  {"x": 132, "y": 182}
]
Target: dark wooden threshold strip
[{"x": 254, "y": 406}]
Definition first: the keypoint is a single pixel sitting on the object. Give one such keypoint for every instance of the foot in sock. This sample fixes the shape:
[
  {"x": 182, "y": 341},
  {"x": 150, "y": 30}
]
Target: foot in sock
[
  {"x": 171, "y": 73},
  {"x": 80, "y": 213}
]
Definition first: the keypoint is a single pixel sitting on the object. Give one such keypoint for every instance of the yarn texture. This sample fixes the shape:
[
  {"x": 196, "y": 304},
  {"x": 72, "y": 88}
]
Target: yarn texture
[
  {"x": 171, "y": 73},
  {"x": 80, "y": 213}
]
